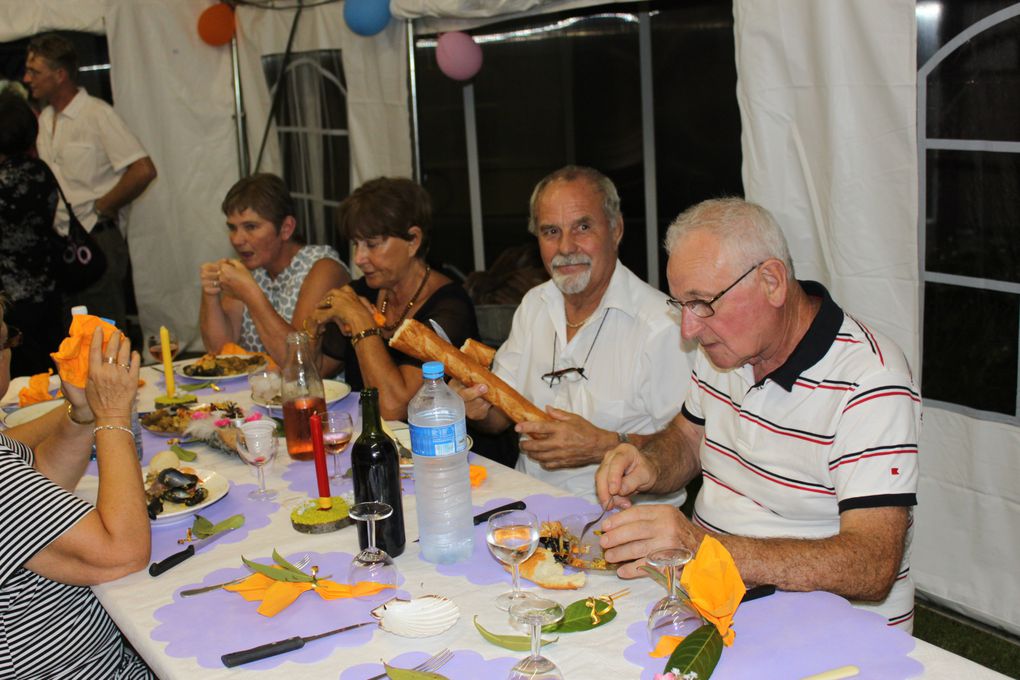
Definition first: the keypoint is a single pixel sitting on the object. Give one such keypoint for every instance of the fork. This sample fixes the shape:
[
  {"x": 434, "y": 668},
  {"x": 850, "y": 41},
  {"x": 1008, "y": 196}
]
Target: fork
[
  {"x": 595, "y": 521},
  {"x": 429, "y": 665},
  {"x": 300, "y": 564}
]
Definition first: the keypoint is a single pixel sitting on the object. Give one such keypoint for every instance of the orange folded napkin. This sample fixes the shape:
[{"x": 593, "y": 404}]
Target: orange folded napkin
[
  {"x": 713, "y": 583},
  {"x": 478, "y": 475},
  {"x": 278, "y": 595},
  {"x": 38, "y": 389},
  {"x": 72, "y": 357}
]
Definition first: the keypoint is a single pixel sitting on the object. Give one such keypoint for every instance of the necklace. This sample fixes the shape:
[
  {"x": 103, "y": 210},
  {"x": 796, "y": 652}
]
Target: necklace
[
  {"x": 410, "y": 305},
  {"x": 579, "y": 323}
]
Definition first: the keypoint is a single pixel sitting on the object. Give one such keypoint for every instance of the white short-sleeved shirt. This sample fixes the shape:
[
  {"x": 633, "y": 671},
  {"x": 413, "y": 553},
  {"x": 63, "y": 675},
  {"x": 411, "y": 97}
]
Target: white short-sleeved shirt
[
  {"x": 282, "y": 292},
  {"x": 833, "y": 429},
  {"x": 630, "y": 350},
  {"x": 48, "y": 629},
  {"x": 88, "y": 152}
]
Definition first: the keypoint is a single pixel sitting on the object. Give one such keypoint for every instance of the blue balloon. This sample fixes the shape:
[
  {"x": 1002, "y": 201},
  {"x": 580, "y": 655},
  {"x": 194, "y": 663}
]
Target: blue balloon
[{"x": 366, "y": 17}]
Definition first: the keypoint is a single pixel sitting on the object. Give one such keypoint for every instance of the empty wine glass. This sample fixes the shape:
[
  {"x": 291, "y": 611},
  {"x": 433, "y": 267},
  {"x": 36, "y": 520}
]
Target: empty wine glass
[
  {"x": 265, "y": 387},
  {"x": 536, "y": 612},
  {"x": 257, "y": 445},
  {"x": 672, "y": 615},
  {"x": 155, "y": 347},
  {"x": 337, "y": 430},
  {"x": 512, "y": 536},
  {"x": 372, "y": 564}
]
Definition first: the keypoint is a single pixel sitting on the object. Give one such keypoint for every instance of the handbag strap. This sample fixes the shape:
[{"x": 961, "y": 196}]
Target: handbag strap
[{"x": 71, "y": 217}]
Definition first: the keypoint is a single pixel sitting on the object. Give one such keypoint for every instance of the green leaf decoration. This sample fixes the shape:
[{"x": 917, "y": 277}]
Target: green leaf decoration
[
  {"x": 516, "y": 643},
  {"x": 698, "y": 652},
  {"x": 282, "y": 561},
  {"x": 408, "y": 674},
  {"x": 577, "y": 618},
  {"x": 192, "y": 387},
  {"x": 290, "y": 575},
  {"x": 202, "y": 528},
  {"x": 183, "y": 454}
]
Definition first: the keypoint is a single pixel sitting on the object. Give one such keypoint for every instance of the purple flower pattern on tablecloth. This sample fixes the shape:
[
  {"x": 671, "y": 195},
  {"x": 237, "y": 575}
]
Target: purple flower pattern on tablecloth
[
  {"x": 483, "y": 568},
  {"x": 793, "y": 635},
  {"x": 230, "y": 623},
  {"x": 465, "y": 665},
  {"x": 256, "y": 515}
]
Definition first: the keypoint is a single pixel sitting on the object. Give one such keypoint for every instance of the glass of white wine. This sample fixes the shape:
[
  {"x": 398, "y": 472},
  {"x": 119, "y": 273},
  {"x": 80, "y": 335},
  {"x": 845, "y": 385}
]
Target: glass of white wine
[{"x": 512, "y": 536}]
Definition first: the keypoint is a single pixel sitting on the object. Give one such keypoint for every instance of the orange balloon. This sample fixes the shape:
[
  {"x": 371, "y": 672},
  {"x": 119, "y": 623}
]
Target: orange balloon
[{"x": 216, "y": 24}]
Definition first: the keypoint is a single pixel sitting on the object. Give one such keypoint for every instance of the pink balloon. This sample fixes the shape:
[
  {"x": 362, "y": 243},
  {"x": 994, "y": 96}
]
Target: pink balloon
[{"x": 458, "y": 55}]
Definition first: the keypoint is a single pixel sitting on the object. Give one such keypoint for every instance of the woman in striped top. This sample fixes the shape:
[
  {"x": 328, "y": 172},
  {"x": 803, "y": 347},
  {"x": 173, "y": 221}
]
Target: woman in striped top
[{"x": 57, "y": 545}]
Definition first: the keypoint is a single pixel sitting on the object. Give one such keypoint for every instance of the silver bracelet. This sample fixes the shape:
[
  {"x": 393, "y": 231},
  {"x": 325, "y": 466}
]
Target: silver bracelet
[{"x": 112, "y": 427}]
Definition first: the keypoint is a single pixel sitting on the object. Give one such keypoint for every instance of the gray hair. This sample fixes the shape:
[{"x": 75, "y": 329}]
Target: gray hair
[
  {"x": 747, "y": 230},
  {"x": 570, "y": 173}
]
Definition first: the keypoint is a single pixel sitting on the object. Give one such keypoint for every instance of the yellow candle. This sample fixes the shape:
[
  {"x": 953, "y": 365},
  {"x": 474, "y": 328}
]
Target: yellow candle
[{"x": 168, "y": 367}]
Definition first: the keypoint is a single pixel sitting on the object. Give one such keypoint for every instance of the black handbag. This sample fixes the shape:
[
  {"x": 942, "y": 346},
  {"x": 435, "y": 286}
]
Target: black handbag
[{"x": 80, "y": 261}]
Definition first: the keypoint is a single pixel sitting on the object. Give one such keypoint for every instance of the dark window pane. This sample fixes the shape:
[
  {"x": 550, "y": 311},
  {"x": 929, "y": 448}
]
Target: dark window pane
[
  {"x": 970, "y": 347},
  {"x": 969, "y": 92},
  {"x": 973, "y": 214}
]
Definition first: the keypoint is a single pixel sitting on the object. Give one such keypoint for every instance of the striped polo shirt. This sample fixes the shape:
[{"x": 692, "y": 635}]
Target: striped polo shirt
[
  {"x": 834, "y": 428},
  {"x": 48, "y": 629}
]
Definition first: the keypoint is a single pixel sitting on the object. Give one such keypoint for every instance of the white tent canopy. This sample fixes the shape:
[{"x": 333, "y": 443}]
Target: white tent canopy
[{"x": 826, "y": 93}]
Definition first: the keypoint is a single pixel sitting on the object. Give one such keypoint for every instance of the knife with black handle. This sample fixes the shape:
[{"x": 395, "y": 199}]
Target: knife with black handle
[
  {"x": 281, "y": 647},
  {"x": 157, "y": 568},
  {"x": 483, "y": 517}
]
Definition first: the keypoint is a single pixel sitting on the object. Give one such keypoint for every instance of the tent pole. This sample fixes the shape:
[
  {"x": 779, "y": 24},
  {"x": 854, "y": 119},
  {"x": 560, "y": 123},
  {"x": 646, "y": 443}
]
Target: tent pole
[
  {"x": 412, "y": 83},
  {"x": 243, "y": 163}
]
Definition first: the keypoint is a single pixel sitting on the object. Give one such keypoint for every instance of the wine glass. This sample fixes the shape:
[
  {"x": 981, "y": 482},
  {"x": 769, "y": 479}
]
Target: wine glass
[
  {"x": 155, "y": 346},
  {"x": 337, "y": 430},
  {"x": 265, "y": 386},
  {"x": 536, "y": 612},
  {"x": 672, "y": 615},
  {"x": 372, "y": 564},
  {"x": 257, "y": 445},
  {"x": 512, "y": 536}
]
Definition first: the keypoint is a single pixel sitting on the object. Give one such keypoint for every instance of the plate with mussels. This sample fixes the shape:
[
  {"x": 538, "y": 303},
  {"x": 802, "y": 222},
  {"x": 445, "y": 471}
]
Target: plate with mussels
[
  {"x": 222, "y": 366},
  {"x": 175, "y": 493}
]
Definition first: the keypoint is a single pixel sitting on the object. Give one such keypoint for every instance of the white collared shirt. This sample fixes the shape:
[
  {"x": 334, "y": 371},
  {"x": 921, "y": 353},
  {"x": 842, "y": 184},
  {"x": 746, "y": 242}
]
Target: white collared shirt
[
  {"x": 636, "y": 371},
  {"x": 87, "y": 151}
]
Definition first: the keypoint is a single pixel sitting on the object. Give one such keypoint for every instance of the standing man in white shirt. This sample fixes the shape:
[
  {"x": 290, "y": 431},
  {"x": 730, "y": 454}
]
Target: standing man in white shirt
[
  {"x": 596, "y": 346},
  {"x": 98, "y": 162}
]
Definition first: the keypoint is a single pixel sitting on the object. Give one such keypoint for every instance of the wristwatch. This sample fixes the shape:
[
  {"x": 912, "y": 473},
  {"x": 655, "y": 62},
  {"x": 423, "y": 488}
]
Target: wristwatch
[{"x": 623, "y": 437}]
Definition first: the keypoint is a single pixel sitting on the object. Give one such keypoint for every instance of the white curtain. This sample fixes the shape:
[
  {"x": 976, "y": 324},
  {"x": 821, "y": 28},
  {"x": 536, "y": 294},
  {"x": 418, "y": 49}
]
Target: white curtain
[{"x": 22, "y": 18}]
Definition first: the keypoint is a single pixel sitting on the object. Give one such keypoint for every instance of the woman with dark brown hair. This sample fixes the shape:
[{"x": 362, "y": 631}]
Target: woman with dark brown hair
[{"x": 388, "y": 221}]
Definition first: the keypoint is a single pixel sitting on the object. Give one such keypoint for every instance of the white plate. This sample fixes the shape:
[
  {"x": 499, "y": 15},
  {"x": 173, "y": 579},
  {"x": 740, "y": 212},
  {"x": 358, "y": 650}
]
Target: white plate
[
  {"x": 333, "y": 389},
  {"x": 179, "y": 370},
  {"x": 32, "y": 411},
  {"x": 215, "y": 483}
]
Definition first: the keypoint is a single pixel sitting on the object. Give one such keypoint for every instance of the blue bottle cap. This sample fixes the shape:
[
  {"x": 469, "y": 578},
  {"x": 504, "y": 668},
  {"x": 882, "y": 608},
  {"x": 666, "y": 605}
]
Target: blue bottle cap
[{"x": 431, "y": 370}]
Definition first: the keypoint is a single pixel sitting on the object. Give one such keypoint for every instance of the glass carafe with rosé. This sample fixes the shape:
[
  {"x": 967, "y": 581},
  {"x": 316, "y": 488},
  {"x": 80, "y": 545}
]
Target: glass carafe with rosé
[{"x": 302, "y": 395}]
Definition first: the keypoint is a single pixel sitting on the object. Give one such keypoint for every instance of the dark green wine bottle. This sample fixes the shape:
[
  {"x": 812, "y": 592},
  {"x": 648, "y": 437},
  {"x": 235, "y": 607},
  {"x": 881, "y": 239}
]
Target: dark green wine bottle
[{"x": 376, "y": 470}]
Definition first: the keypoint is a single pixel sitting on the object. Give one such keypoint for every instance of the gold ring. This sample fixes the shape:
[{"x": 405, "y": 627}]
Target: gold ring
[
  {"x": 110, "y": 360},
  {"x": 126, "y": 367}
]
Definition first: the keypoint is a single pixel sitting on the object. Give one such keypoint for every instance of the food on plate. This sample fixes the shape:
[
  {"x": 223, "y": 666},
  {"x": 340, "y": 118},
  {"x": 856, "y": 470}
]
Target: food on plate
[
  {"x": 309, "y": 518},
  {"x": 179, "y": 399},
  {"x": 567, "y": 549},
  {"x": 479, "y": 351},
  {"x": 542, "y": 569},
  {"x": 213, "y": 366},
  {"x": 171, "y": 420},
  {"x": 198, "y": 421},
  {"x": 172, "y": 485},
  {"x": 163, "y": 460},
  {"x": 415, "y": 339}
]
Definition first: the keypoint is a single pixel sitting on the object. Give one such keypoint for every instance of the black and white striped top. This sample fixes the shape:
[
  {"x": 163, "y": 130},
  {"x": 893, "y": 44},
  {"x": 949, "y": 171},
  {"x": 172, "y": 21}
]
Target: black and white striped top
[{"x": 48, "y": 629}]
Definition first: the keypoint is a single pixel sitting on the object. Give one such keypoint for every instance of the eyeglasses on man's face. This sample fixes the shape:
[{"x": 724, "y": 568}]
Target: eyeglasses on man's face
[
  {"x": 572, "y": 374},
  {"x": 12, "y": 340},
  {"x": 703, "y": 308}
]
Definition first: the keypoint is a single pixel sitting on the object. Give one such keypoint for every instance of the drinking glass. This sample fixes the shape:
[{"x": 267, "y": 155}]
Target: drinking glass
[
  {"x": 257, "y": 445},
  {"x": 155, "y": 347},
  {"x": 372, "y": 564},
  {"x": 536, "y": 612},
  {"x": 672, "y": 615},
  {"x": 512, "y": 536},
  {"x": 265, "y": 387},
  {"x": 337, "y": 430}
]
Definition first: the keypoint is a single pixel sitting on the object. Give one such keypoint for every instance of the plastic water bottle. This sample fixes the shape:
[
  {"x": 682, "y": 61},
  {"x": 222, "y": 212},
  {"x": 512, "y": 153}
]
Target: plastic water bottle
[{"x": 441, "y": 480}]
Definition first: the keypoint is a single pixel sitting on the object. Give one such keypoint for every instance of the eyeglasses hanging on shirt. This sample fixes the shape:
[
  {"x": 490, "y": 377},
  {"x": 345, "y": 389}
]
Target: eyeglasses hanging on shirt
[{"x": 574, "y": 373}]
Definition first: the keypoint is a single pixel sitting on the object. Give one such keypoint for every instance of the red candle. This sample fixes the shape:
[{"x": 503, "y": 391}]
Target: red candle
[{"x": 319, "y": 452}]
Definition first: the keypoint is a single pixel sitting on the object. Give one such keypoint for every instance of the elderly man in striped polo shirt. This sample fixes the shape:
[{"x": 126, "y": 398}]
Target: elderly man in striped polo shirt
[{"x": 803, "y": 421}]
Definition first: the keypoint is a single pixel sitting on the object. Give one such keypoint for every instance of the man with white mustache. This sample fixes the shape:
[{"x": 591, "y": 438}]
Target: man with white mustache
[{"x": 596, "y": 347}]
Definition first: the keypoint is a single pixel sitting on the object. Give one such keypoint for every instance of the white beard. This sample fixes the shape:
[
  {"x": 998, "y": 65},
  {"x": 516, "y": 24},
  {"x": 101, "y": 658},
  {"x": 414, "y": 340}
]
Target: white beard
[{"x": 571, "y": 284}]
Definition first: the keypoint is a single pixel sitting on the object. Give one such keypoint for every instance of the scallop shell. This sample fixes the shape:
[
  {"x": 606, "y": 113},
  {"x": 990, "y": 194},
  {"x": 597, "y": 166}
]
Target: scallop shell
[{"x": 421, "y": 617}]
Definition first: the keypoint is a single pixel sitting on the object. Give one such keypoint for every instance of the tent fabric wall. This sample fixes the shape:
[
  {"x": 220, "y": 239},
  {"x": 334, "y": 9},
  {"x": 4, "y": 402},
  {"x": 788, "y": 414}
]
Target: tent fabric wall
[{"x": 23, "y": 18}]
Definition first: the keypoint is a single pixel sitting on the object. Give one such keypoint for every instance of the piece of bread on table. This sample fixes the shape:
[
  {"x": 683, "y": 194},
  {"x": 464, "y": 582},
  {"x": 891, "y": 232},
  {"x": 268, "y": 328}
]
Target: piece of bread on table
[
  {"x": 479, "y": 351},
  {"x": 542, "y": 569},
  {"x": 412, "y": 337}
]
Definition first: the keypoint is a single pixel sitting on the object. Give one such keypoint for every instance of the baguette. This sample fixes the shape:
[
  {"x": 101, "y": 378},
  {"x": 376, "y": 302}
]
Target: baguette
[
  {"x": 415, "y": 339},
  {"x": 479, "y": 351},
  {"x": 542, "y": 569}
]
